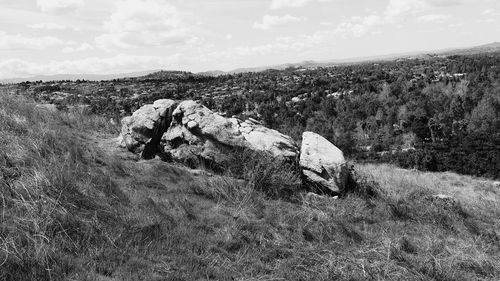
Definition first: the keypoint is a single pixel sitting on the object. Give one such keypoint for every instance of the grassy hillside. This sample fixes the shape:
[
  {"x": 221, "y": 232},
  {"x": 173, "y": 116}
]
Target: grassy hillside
[{"x": 75, "y": 207}]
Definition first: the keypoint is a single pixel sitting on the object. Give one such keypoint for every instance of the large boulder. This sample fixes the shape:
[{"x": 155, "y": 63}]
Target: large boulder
[
  {"x": 260, "y": 138},
  {"x": 197, "y": 133},
  {"x": 323, "y": 164},
  {"x": 142, "y": 132}
]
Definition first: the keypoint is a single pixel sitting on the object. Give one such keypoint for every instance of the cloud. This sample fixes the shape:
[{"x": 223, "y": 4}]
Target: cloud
[
  {"x": 433, "y": 18},
  {"x": 394, "y": 12},
  {"x": 488, "y": 12},
  {"x": 399, "y": 7},
  {"x": 491, "y": 13},
  {"x": 444, "y": 3},
  {"x": 94, "y": 65},
  {"x": 269, "y": 21},
  {"x": 18, "y": 41},
  {"x": 283, "y": 4},
  {"x": 145, "y": 23},
  {"x": 59, "y": 6},
  {"x": 47, "y": 26},
  {"x": 360, "y": 26},
  {"x": 81, "y": 48},
  {"x": 291, "y": 44}
]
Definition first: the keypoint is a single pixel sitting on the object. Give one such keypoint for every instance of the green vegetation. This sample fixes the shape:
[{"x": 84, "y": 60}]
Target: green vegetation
[
  {"x": 438, "y": 113},
  {"x": 75, "y": 207}
]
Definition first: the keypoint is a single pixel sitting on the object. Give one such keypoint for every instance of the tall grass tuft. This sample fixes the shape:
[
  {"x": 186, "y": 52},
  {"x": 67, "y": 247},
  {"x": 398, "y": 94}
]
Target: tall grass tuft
[
  {"x": 47, "y": 206},
  {"x": 275, "y": 177}
]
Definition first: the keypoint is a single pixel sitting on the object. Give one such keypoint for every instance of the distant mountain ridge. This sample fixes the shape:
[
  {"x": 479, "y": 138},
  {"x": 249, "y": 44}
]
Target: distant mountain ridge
[
  {"x": 73, "y": 77},
  {"x": 487, "y": 48}
]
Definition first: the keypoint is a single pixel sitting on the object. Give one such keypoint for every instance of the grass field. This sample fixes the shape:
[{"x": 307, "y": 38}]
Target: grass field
[{"x": 73, "y": 206}]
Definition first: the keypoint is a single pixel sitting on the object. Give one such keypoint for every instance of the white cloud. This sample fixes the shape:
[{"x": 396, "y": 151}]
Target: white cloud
[
  {"x": 433, "y": 18},
  {"x": 59, "y": 6},
  {"x": 297, "y": 43},
  {"x": 399, "y": 7},
  {"x": 269, "y": 21},
  {"x": 18, "y": 41},
  {"x": 394, "y": 12},
  {"x": 443, "y": 3},
  {"x": 47, "y": 26},
  {"x": 283, "y": 4},
  {"x": 81, "y": 48},
  {"x": 491, "y": 13},
  {"x": 488, "y": 12},
  {"x": 360, "y": 26},
  {"x": 145, "y": 23}
]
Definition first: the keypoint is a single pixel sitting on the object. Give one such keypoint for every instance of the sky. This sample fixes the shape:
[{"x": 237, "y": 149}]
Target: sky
[{"x": 120, "y": 36}]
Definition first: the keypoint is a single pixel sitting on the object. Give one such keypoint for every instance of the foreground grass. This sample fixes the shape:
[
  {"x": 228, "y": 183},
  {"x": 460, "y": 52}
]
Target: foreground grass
[
  {"x": 403, "y": 233},
  {"x": 70, "y": 210}
]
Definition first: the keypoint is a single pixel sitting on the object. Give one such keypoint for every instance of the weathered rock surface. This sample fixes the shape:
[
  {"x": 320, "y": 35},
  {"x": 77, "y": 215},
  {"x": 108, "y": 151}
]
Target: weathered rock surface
[
  {"x": 323, "y": 164},
  {"x": 189, "y": 132},
  {"x": 261, "y": 138},
  {"x": 141, "y": 132},
  {"x": 197, "y": 132}
]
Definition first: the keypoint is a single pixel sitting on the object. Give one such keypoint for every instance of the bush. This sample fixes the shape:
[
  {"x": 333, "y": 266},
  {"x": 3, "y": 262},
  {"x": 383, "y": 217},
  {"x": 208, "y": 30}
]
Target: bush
[
  {"x": 275, "y": 177},
  {"x": 475, "y": 154}
]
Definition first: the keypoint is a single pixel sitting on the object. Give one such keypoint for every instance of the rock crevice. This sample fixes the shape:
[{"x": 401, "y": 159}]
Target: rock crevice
[{"x": 141, "y": 133}]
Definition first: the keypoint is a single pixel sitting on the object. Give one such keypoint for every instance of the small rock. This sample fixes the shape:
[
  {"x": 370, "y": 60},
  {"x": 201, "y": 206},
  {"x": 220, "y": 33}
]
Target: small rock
[
  {"x": 47, "y": 107},
  {"x": 313, "y": 196},
  {"x": 191, "y": 125},
  {"x": 443, "y": 197},
  {"x": 446, "y": 201},
  {"x": 254, "y": 121}
]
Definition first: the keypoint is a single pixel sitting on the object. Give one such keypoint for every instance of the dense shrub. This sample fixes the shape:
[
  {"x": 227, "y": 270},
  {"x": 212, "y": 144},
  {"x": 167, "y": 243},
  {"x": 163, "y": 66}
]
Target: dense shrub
[
  {"x": 276, "y": 177},
  {"x": 475, "y": 154}
]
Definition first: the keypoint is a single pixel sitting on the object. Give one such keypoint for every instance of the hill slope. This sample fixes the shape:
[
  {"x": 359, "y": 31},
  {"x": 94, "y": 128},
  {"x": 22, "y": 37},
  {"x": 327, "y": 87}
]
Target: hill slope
[{"x": 76, "y": 207}]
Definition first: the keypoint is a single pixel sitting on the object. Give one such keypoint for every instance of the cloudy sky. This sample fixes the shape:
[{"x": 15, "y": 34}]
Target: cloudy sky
[{"x": 119, "y": 36}]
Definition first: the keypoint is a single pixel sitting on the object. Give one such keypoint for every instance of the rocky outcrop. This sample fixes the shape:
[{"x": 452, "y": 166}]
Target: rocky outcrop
[
  {"x": 192, "y": 134},
  {"x": 197, "y": 133},
  {"x": 323, "y": 164},
  {"x": 261, "y": 138},
  {"x": 142, "y": 132}
]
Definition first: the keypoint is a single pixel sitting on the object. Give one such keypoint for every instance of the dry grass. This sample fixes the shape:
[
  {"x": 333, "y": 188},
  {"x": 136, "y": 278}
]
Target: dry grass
[
  {"x": 477, "y": 194},
  {"x": 72, "y": 211}
]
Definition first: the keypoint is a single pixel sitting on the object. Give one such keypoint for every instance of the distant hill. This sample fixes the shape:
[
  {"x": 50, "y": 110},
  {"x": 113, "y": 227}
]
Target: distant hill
[
  {"x": 166, "y": 74},
  {"x": 91, "y": 77},
  {"x": 212, "y": 73},
  {"x": 487, "y": 48}
]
